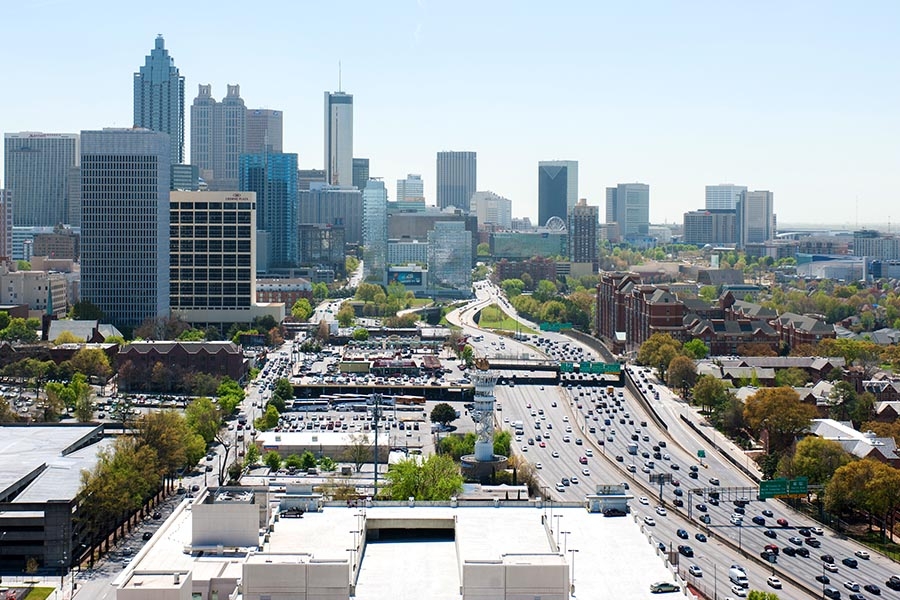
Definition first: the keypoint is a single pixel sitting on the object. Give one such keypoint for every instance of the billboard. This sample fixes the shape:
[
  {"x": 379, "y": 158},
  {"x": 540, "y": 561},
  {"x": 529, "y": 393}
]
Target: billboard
[{"x": 409, "y": 278}]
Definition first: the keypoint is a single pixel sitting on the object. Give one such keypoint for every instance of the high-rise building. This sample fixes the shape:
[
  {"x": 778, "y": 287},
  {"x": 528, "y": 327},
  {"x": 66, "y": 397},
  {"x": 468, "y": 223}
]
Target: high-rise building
[
  {"x": 212, "y": 256},
  {"x": 873, "y": 245},
  {"x": 339, "y": 139},
  {"x": 125, "y": 223},
  {"x": 456, "y": 179},
  {"x": 374, "y": 229},
  {"x": 186, "y": 178},
  {"x": 265, "y": 130},
  {"x": 73, "y": 195},
  {"x": 724, "y": 196},
  {"x": 755, "y": 217},
  {"x": 333, "y": 207},
  {"x": 307, "y": 177},
  {"x": 37, "y": 168},
  {"x": 159, "y": 98},
  {"x": 218, "y": 136},
  {"x": 450, "y": 255},
  {"x": 491, "y": 209},
  {"x": 360, "y": 173},
  {"x": 557, "y": 189},
  {"x": 6, "y": 225},
  {"x": 629, "y": 206},
  {"x": 714, "y": 226},
  {"x": 583, "y": 225},
  {"x": 411, "y": 188},
  {"x": 273, "y": 177}
]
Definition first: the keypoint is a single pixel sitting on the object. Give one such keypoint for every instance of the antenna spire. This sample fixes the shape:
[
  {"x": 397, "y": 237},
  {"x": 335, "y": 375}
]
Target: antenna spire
[{"x": 340, "y": 88}]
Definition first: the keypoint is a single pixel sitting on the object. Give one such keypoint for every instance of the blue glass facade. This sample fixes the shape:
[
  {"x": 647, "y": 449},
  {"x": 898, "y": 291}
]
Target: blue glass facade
[
  {"x": 274, "y": 179},
  {"x": 159, "y": 98}
]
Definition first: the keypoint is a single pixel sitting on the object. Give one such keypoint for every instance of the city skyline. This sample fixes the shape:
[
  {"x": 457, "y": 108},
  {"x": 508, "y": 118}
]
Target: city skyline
[{"x": 801, "y": 121}]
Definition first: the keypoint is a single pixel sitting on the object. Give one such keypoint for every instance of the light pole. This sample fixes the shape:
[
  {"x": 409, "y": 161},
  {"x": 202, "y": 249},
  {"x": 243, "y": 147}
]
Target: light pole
[
  {"x": 573, "y": 551},
  {"x": 565, "y": 535},
  {"x": 557, "y": 532}
]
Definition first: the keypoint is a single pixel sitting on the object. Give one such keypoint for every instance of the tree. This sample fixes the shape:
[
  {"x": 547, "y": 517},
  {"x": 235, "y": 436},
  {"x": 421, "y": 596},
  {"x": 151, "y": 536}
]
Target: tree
[
  {"x": 696, "y": 349},
  {"x": 87, "y": 311},
  {"x": 320, "y": 291},
  {"x": 67, "y": 337},
  {"x": 252, "y": 456},
  {"x": 81, "y": 392},
  {"x": 658, "y": 351},
  {"x": 779, "y": 412},
  {"x": 791, "y": 377},
  {"x": 435, "y": 478},
  {"x": 554, "y": 311},
  {"x": 443, "y": 413},
  {"x": 359, "y": 451},
  {"x": 192, "y": 335},
  {"x": 92, "y": 362},
  {"x": 761, "y": 595},
  {"x": 817, "y": 459},
  {"x": 360, "y": 334},
  {"x": 709, "y": 393},
  {"x": 269, "y": 420},
  {"x": 841, "y": 400},
  {"x": 272, "y": 460},
  {"x": 204, "y": 418},
  {"x": 483, "y": 249},
  {"x": 867, "y": 485},
  {"x": 681, "y": 372},
  {"x": 512, "y": 287},
  {"x": 708, "y": 293},
  {"x": 293, "y": 462},
  {"x": 301, "y": 310},
  {"x": 168, "y": 433},
  {"x": 18, "y": 330},
  {"x": 308, "y": 460},
  {"x": 546, "y": 290},
  {"x": 346, "y": 315}
]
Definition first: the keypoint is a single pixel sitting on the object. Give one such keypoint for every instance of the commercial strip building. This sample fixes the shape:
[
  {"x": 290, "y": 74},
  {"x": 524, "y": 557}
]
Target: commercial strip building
[{"x": 285, "y": 542}]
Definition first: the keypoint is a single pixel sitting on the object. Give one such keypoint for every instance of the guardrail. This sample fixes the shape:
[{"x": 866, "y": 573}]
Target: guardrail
[{"x": 725, "y": 454}]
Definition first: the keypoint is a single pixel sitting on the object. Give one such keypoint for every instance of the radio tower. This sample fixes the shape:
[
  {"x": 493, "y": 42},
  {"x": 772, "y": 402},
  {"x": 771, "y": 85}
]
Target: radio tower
[{"x": 483, "y": 412}]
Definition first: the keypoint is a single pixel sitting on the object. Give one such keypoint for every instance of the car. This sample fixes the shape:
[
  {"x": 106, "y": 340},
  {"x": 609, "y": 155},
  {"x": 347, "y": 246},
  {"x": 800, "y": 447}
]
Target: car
[
  {"x": 695, "y": 571},
  {"x": 713, "y": 481},
  {"x": 813, "y": 542},
  {"x": 644, "y": 500},
  {"x": 795, "y": 540},
  {"x": 830, "y": 567},
  {"x": 802, "y": 552},
  {"x": 554, "y": 454},
  {"x": 620, "y": 458},
  {"x": 700, "y": 537},
  {"x": 538, "y": 466},
  {"x": 586, "y": 472},
  {"x": 817, "y": 530},
  {"x": 614, "y": 512},
  {"x": 686, "y": 550},
  {"x": 782, "y": 522},
  {"x": 664, "y": 587},
  {"x": 872, "y": 589},
  {"x": 893, "y": 583},
  {"x": 573, "y": 479},
  {"x": 738, "y": 591},
  {"x": 524, "y": 448},
  {"x": 705, "y": 519},
  {"x": 759, "y": 520},
  {"x": 803, "y": 531},
  {"x": 767, "y": 513},
  {"x": 645, "y": 469},
  {"x": 589, "y": 452},
  {"x": 827, "y": 558},
  {"x": 648, "y": 520},
  {"x": 693, "y": 475},
  {"x": 678, "y": 492},
  {"x": 789, "y": 551},
  {"x": 774, "y": 582},
  {"x": 740, "y": 510},
  {"x": 565, "y": 481},
  {"x": 862, "y": 554},
  {"x": 852, "y": 586},
  {"x": 701, "y": 507},
  {"x": 850, "y": 562},
  {"x": 560, "y": 487},
  {"x": 542, "y": 444},
  {"x": 157, "y": 515},
  {"x": 675, "y": 466},
  {"x": 856, "y": 596},
  {"x": 768, "y": 555},
  {"x": 682, "y": 533},
  {"x": 823, "y": 579},
  {"x": 679, "y": 503},
  {"x": 147, "y": 535},
  {"x": 661, "y": 511},
  {"x": 770, "y": 534}
]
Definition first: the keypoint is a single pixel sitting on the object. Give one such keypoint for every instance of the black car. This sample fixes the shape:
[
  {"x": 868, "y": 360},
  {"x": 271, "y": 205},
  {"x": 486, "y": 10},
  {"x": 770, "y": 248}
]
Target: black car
[
  {"x": 768, "y": 513},
  {"x": 827, "y": 558},
  {"x": 856, "y": 597},
  {"x": 678, "y": 492},
  {"x": 789, "y": 550},
  {"x": 157, "y": 515},
  {"x": 850, "y": 562},
  {"x": 770, "y": 534},
  {"x": 678, "y": 502},
  {"x": 823, "y": 579},
  {"x": 759, "y": 520},
  {"x": 803, "y": 552},
  {"x": 701, "y": 507},
  {"x": 147, "y": 535},
  {"x": 804, "y": 531},
  {"x": 813, "y": 542},
  {"x": 872, "y": 589},
  {"x": 693, "y": 475},
  {"x": 620, "y": 458},
  {"x": 613, "y": 512},
  {"x": 700, "y": 537},
  {"x": 686, "y": 550},
  {"x": 682, "y": 533},
  {"x": 740, "y": 510},
  {"x": 893, "y": 583},
  {"x": 713, "y": 501}
]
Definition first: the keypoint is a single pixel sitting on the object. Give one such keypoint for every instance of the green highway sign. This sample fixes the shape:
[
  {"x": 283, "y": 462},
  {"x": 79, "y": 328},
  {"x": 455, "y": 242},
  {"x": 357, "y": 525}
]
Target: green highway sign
[
  {"x": 783, "y": 487},
  {"x": 600, "y": 368},
  {"x": 566, "y": 367},
  {"x": 545, "y": 326},
  {"x": 799, "y": 485},
  {"x": 701, "y": 453}
]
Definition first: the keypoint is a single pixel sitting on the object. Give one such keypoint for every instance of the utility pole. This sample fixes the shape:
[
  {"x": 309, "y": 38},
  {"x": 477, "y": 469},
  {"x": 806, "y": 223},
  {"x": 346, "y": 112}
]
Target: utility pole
[{"x": 376, "y": 411}]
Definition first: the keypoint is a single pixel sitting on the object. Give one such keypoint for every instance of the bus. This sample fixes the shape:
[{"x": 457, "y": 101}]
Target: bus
[
  {"x": 310, "y": 405},
  {"x": 610, "y": 391}
]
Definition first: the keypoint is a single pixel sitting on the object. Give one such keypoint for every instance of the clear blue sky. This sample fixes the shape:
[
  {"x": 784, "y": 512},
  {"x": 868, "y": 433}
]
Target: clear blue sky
[{"x": 800, "y": 98}]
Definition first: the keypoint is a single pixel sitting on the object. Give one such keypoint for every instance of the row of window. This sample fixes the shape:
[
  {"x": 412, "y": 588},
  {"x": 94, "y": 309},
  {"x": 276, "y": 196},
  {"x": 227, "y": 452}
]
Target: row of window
[
  {"x": 200, "y": 274},
  {"x": 227, "y": 217},
  {"x": 211, "y": 231},
  {"x": 209, "y": 260}
]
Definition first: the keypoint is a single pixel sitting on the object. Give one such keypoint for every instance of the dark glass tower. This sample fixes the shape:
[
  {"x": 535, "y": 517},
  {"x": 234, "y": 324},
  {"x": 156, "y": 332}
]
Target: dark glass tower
[{"x": 159, "y": 98}]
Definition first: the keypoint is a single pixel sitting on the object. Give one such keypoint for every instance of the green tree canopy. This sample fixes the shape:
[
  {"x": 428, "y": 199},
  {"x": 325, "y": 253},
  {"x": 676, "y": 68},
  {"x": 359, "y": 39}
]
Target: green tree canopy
[
  {"x": 204, "y": 418},
  {"x": 658, "y": 351},
  {"x": 302, "y": 310},
  {"x": 272, "y": 460},
  {"x": 512, "y": 287},
  {"x": 546, "y": 290},
  {"x": 360, "y": 334},
  {"x": 780, "y": 412},
  {"x": 816, "y": 459},
  {"x": 681, "y": 372},
  {"x": 443, "y": 413},
  {"x": 345, "y": 315},
  {"x": 435, "y": 478},
  {"x": 696, "y": 349}
]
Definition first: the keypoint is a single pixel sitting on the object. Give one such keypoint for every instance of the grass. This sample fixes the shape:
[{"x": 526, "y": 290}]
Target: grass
[
  {"x": 419, "y": 302},
  {"x": 39, "y": 593},
  {"x": 493, "y": 317}
]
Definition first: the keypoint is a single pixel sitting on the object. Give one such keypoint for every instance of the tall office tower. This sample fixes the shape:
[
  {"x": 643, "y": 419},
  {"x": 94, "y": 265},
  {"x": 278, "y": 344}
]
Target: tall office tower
[
  {"x": 6, "y": 225},
  {"x": 584, "y": 223},
  {"x": 212, "y": 256},
  {"x": 557, "y": 189},
  {"x": 186, "y": 178},
  {"x": 274, "y": 179},
  {"x": 73, "y": 196},
  {"x": 374, "y": 230},
  {"x": 629, "y": 206},
  {"x": 218, "y": 136},
  {"x": 307, "y": 177},
  {"x": 711, "y": 226},
  {"x": 450, "y": 255},
  {"x": 125, "y": 223},
  {"x": 411, "y": 188},
  {"x": 339, "y": 138},
  {"x": 724, "y": 196},
  {"x": 360, "y": 173},
  {"x": 333, "y": 207},
  {"x": 456, "y": 179},
  {"x": 159, "y": 98},
  {"x": 755, "y": 217},
  {"x": 37, "y": 167},
  {"x": 265, "y": 129},
  {"x": 492, "y": 209}
]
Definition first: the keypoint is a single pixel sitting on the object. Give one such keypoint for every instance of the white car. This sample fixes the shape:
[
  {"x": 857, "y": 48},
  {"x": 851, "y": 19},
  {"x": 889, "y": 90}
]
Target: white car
[
  {"x": 830, "y": 567},
  {"x": 774, "y": 582},
  {"x": 586, "y": 472},
  {"x": 538, "y": 466},
  {"x": 649, "y": 521},
  {"x": 524, "y": 448},
  {"x": 588, "y": 452},
  {"x": 565, "y": 418},
  {"x": 738, "y": 591},
  {"x": 554, "y": 454},
  {"x": 573, "y": 479},
  {"x": 661, "y": 511},
  {"x": 817, "y": 530},
  {"x": 695, "y": 571},
  {"x": 862, "y": 554},
  {"x": 560, "y": 487}
]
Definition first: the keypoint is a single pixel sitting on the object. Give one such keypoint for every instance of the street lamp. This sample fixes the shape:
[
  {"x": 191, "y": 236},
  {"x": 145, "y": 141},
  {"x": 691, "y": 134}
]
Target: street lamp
[
  {"x": 573, "y": 551},
  {"x": 557, "y": 532},
  {"x": 565, "y": 535}
]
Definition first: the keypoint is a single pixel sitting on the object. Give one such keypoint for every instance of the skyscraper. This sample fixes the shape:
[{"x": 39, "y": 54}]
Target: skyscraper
[
  {"x": 6, "y": 224},
  {"x": 456, "y": 179},
  {"x": 218, "y": 136},
  {"x": 557, "y": 189},
  {"x": 265, "y": 128},
  {"x": 339, "y": 138},
  {"x": 37, "y": 169},
  {"x": 493, "y": 209},
  {"x": 411, "y": 188},
  {"x": 333, "y": 207},
  {"x": 125, "y": 223},
  {"x": 274, "y": 179},
  {"x": 755, "y": 217},
  {"x": 374, "y": 229},
  {"x": 629, "y": 206},
  {"x": 584, "y": 223},
  {"x": 450, "y": 256},
  {"x": 360, "y": 173},
  {"x": 724, "y": 195},
  {"x": 159, "y": 98}
]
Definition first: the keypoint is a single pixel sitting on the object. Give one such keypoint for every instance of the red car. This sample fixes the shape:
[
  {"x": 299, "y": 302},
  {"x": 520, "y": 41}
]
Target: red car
[
  {"x": 782, "y": 522},
  {"x": 543, "y": 445},
  {"x": 772, "y": 548}
]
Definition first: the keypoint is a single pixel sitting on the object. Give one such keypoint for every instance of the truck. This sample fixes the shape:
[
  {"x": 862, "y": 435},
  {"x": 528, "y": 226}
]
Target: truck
[
  {"x": 632, "y": 449},
  {"x": 738, "y": 576},
  {"x": 610, "y": 391}
]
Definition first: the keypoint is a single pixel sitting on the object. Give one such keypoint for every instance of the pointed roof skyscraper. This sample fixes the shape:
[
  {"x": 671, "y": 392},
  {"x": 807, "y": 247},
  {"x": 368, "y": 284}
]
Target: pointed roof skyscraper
[{"x": 159, "y": 98}]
